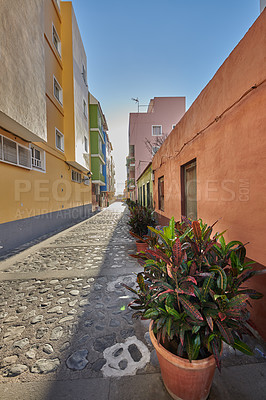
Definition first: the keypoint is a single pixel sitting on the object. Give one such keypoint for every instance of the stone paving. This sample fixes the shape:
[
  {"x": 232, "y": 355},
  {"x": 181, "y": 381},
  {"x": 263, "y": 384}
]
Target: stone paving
[{"x": 64, "y": 316}]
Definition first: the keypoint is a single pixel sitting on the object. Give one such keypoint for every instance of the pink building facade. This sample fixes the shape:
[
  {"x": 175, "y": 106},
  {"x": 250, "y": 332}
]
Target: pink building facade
[{"x": 146, "y": 131}]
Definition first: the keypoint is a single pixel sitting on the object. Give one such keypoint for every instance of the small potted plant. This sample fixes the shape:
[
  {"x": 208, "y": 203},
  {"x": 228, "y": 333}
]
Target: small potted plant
[
  {"x": 191, "y": 289},
  {"x": 140, "y": 218}
]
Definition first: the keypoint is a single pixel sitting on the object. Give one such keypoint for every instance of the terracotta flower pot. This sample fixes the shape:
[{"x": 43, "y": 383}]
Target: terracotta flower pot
[
  {"x": 141, "y": 246},
  {"x": 184, "y": 380}
]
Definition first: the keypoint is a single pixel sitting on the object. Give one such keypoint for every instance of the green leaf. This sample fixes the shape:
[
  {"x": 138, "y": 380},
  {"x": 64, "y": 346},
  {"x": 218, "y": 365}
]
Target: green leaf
[
  {"x": 196, "y": 347},
  {"x": 140, "y": 281},
  {"x": 150, "y": 314},
  {"x": 172, "y": 312},
  {"x": 195, "y": 328},
  {"x": 172, "y": 228},
  {"x": 243, "y": 347},
  {"x": 223, "y": 244},
  {"x": 222, "y": 283},
  {"x": 238, "y": 301},
  {"x": 206, "y": 286},
  {"x": 168, "y": 325},
  {"x": 189, "y": 347}
]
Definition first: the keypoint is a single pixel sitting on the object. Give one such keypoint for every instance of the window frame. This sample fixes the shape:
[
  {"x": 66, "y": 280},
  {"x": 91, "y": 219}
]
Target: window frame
[
  {"x": 160, "y": 194},
  {"x": 183, "y": 169},
  {"x": 85, "y": 109},
  {"x": 59, "y": 49},
  {"x": 78, "y": 178},
  {"x": 86, "y": 144},
  {"x": 2, "y": 137},
  {"x": 63, "y": 139},
  {"x": 84, "y": 74},
  {"x": 57, "y": 2},
  {"x": 157, "y": 126},
  {"x": 55, "y": 82},
  {"x": 148, "y": 186},
  {"x": 42, "y": 159}
]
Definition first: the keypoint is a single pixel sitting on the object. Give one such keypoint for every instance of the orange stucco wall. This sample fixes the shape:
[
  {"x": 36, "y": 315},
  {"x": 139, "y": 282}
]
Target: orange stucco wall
[{"x": 224, "y": 130}]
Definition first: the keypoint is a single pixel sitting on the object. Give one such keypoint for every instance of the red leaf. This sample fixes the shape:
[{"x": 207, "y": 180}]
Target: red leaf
[
  {"x": 169, "y": 271},
  {"x": 225, "y": 332},
  {"x": 222, "y": 316},
  {"x": 185, "y": 220},
  {"x": 177, "y": 252},
  {"x": 193, "y": 268},
  {"x": 209, "y": 321},
  {"x": 166, "y": 291},
  {"x": 191, "y": 309},
  {"x": 196, "y": 229},
  {"x": 158, "y": 254}
]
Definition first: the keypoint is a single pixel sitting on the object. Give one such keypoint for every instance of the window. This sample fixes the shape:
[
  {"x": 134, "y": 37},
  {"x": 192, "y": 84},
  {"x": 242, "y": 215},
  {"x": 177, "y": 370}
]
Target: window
[
  {"x": 154, "y": 150},
  {"x": 58, "y": 3},
  {"x": 13, "y": 153},
  {"x": 59, "y": 140},
  {"x": 189, "y": 190},
  {"x": 100, "y": 145},
  {"x": 148, "y": 195},
  {"x": 144, "y": 199},
  {"x": 161, "y": 193},
  {"x": 56, "y": 41},
  {"x": 157, "y": 130},
  {"x": 37, "y": 158},
  {"x": 85, "y": 109},
  {"x": 58, "y": 92},
  {"x": 84, "y": 74},
  {"x": 99, "y": 121},
  {"x": 75, "y": 176},
  {"x": 140, "y": 195},
  {"x": 86, "y": 144},
  {"x": 101, "y": 168}
]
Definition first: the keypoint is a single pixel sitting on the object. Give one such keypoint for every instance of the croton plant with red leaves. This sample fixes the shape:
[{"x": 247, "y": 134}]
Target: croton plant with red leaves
[{"x": 192, "y": 288}]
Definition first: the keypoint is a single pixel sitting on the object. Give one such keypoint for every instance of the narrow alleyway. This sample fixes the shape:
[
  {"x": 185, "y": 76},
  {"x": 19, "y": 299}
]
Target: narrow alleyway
[{"x": 66, "y": 332}]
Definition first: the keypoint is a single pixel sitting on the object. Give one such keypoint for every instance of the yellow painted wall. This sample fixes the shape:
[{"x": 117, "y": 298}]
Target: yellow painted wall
[
  {"x": 68, "y": 81},
  {"x": 143, "y": 180},
  {"x": 26, "y": 193}
]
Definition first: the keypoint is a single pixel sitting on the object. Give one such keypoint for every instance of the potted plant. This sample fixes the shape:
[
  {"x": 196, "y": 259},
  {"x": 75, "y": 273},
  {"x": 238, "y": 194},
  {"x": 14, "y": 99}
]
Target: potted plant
[
  {"x": 140, "y": 218},
  {"x": 191, "y": 289}
]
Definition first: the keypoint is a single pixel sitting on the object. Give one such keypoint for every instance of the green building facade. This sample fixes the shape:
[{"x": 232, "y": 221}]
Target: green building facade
[
  {"x": 97, "y": 127},
  {"x": 145, "y": 187}
]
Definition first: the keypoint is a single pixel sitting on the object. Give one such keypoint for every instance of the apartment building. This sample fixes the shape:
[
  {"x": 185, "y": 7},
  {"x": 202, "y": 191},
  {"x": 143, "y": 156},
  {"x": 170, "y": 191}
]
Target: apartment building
[
  {"x": 98, "y": 129},
  {"x": 44, "y": 124},
  {"x": 107, "y": 191},
  {"x": 147, "y": 131}
]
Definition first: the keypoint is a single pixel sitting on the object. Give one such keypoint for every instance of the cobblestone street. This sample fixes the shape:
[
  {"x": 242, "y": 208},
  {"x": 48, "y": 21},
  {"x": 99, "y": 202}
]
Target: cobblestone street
[{"x": 66, "y": 332}]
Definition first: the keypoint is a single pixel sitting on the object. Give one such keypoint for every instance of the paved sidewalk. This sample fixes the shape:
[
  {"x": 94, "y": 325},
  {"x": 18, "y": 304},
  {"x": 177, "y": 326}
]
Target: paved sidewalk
[{"x": 66, "y": 332}]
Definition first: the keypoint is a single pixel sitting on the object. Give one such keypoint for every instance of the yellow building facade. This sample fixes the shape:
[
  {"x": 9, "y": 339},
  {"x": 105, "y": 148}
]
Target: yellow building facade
[{"x": 44, "y": 123}]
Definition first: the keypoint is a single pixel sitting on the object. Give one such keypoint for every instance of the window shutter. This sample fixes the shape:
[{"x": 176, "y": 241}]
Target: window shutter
[
  {"x": 24, "y": 157},
  {"x": 1, "y": 148},
  {"x": 10, "y": 151}
]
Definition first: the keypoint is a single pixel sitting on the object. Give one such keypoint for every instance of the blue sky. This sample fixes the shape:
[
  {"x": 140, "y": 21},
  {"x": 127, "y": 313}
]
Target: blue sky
[{"x": 148, "y": 48}]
